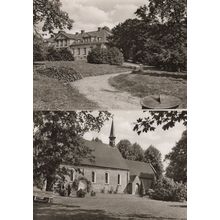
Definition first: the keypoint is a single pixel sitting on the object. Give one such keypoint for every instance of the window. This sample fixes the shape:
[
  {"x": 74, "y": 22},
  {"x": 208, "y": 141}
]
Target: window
[
  {"x": 84, "y": 51},
  {"x": 78, "y": 51},
  {"x": 119, "y": 179},
  {"x": 93, "y": 177},
  {"x": 106, "y": 178},
  {"x": 65, "y": 43},
  {"x": 61, "y": 43}
]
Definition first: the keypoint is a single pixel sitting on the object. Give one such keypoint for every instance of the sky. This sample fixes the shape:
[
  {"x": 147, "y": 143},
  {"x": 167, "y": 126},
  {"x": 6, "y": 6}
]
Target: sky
[
  {"x": 124, "y": 123},
  {"x": 88, "y": 15}
]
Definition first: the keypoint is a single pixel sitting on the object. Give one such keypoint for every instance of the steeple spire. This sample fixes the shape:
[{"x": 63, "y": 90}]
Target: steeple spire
[{"x": 112, "y": 135}]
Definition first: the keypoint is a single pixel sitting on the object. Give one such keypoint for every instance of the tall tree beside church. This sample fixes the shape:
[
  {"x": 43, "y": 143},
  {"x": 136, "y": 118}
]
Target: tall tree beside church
[
  {"x": 58, "y": 139},
  {"x": 124, "y": 146},
  {"x": 177, "y": 168},
  {"x": 136, "y": 152},
  {"x": 50, "y": 14},
  {"x": 152, "y": 155}
]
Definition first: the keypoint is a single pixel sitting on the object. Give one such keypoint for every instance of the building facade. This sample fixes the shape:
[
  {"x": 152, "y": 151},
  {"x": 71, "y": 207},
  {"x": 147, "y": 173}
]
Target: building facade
[
  {"x": 111, "y": 172},
  {"x": 81, "y": 43}
]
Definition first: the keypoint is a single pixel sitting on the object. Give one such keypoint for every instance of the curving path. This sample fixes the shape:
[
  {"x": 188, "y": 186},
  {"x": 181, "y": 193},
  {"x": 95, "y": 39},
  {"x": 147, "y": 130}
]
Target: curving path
[{"x": 98, "y": 89}]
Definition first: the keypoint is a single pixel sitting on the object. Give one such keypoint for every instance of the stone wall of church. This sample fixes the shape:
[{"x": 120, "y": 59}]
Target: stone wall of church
[
  {"x": 100, "y": 183},
  {"x": 100, "y": 178}
]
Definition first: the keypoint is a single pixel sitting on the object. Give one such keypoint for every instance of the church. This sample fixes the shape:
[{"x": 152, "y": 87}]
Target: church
[{"x": 111, "y": 172}]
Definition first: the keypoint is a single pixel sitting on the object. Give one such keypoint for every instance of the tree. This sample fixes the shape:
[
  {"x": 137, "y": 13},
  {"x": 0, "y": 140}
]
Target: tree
[
  {"x": 152, "y": 155},
  {"x": 50, "y": 14},
  {"x": 124, "y": 146},
  {"x": 166, "y": 119},
  {"x": 39, "y": 50},
  {"x": 177, "y": 168},
  {"x": 58, "y": 139},
  {"x": 136, "y": 152},
  {"x": 97, "y": 140}
]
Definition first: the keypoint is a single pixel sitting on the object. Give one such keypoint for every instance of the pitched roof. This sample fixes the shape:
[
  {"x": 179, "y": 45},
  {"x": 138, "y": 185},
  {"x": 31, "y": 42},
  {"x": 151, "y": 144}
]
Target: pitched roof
[
  {"x": 105, "y": 156},
  {"x": 140, "y": 169},
  {"x": 101, "y": 33}
]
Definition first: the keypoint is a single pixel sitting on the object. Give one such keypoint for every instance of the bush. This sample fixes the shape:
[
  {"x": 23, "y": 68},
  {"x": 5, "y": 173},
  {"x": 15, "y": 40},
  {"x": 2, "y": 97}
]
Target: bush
[
  {"x": 81, "y": 193},
  {"x": 61, "y": 73},
  {"x": 111, "y": 56},
  {"x": 93, "y": 193},
  {"x": 115, "y": 57},
  {"x": 98, "y": 56},
  {"x": 63, "y": 54},
  {"x": 39, "y": 51},
  {"x": 167, "y": 190}
]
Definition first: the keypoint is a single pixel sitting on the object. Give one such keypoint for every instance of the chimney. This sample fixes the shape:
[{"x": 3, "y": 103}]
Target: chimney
[
  {"x": 112, "y": 135},
  {"x": 82, "y": 31},
  {"x": 99, "y": 28}
]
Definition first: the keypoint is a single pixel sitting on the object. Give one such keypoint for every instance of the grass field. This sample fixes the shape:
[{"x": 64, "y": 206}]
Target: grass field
[
  {"x": 88, "y": 69},
  {"x": 141, "y": 85},
  {"x": 109, "y": 207},
  {"x": 54, "y": 94}
]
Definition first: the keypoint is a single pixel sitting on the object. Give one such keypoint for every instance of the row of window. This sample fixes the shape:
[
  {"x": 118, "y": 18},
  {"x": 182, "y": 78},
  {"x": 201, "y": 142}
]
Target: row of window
[
  {"x": 107, "y": 178},
  {"x": 83, "y": 50}
]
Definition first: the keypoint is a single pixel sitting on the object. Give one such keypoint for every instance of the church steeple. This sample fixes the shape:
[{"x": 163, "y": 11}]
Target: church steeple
[{"x": 112, "y": 135}]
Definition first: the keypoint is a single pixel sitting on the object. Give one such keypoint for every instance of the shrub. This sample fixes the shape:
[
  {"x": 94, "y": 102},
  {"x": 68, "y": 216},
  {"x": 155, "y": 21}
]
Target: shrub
[
  {"x": 111, "y": 190},
  {"x": 93, "y": 193},
  {"x": 115, "y": 57},
  {"x": 61, "y": 73},
  {"x": 63, "y": 54},
  {"x": 98, "y": 56},
  {"x": 103, "y": 190},
  {"x": 39, "y": 51},
  {"x": 111, "y": 56},
  {"x": 81, "y": 193},
  {"x": 167, "y": 190}
]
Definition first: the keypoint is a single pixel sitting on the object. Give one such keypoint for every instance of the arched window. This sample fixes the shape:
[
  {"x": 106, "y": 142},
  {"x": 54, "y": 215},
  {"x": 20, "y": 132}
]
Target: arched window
[{"x": 71, "y": 175}]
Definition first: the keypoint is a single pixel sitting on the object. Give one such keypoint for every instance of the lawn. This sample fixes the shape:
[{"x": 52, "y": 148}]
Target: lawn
[
  {"x": 54, "y": 94},
  {"x": 153, "y": 82},
  {"x": 109, "y": 207}
]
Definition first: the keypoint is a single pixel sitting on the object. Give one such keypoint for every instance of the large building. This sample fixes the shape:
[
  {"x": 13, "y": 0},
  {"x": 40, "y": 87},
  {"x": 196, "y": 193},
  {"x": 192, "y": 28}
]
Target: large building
[
  {"x": 111, "y": 172},
  {"x": 81, "y": 43}
]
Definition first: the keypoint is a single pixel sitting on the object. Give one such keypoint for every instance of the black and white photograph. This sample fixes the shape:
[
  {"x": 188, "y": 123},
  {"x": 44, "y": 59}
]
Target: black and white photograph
[
  {"x": 110, "y": 165},
  {"x": 109, "y": 109}
]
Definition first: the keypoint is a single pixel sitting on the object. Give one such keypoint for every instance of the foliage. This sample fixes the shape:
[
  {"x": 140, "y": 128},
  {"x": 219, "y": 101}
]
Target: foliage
[
  {"x": 93, "y": 193},
  {"x": 39, "y": 52},
  {"x": 177, "y": 168},
  {"x": 130, "y": 151},
  {"x": 63, "y": 54},
  {"x": 166, "y": 119},
  {"x": 167, "y": 190},
  {"x": 61, "y": 73},
  {"x": 58, "y": 139},
  {"x": 111, "y": 56},
  {"x": 97, "y": 140},
  {"x": 115, "y": 57},
  {"x": 81, "y": 193},
  {"x": 152, "y": 155},
  {"x": 124, "y": 146},
  {"x": 136, "y": 152},
  {"x": 50, "y": 14},
  {"x": 98, "y": 56},
  {"x": 157, "y": 37}
]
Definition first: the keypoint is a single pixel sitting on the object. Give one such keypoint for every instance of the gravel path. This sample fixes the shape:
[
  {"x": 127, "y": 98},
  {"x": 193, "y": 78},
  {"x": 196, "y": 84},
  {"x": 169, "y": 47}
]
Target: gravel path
[{"x": 98, "y": 89}]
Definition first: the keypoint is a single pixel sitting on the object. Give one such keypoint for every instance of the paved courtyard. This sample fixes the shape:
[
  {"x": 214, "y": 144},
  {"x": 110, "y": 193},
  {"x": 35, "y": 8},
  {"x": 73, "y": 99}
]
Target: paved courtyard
[{"x": 109, "y": 207}]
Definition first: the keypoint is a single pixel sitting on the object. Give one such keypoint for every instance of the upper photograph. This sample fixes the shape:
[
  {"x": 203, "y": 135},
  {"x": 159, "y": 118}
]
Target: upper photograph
[{"x": 109, "y": 55}]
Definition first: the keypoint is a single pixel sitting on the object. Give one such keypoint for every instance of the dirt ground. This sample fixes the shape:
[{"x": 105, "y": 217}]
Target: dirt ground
[
  {"x": 109, "y": 207},
  {"x": 98, "y": 90}
]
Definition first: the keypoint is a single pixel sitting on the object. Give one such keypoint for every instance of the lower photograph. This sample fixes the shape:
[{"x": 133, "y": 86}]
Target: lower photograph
[{"x": 109, "y": 165}]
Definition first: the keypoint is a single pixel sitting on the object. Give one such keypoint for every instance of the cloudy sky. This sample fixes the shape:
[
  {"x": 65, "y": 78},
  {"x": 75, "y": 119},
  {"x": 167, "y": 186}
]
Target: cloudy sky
[
  {"x": 123, "y": 121},
  {"x": 90, "y": 14}
]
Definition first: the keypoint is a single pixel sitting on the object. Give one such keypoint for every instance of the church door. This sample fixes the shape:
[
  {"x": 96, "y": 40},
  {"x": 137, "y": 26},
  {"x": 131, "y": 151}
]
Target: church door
[{"x": 137, "y": 189}]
